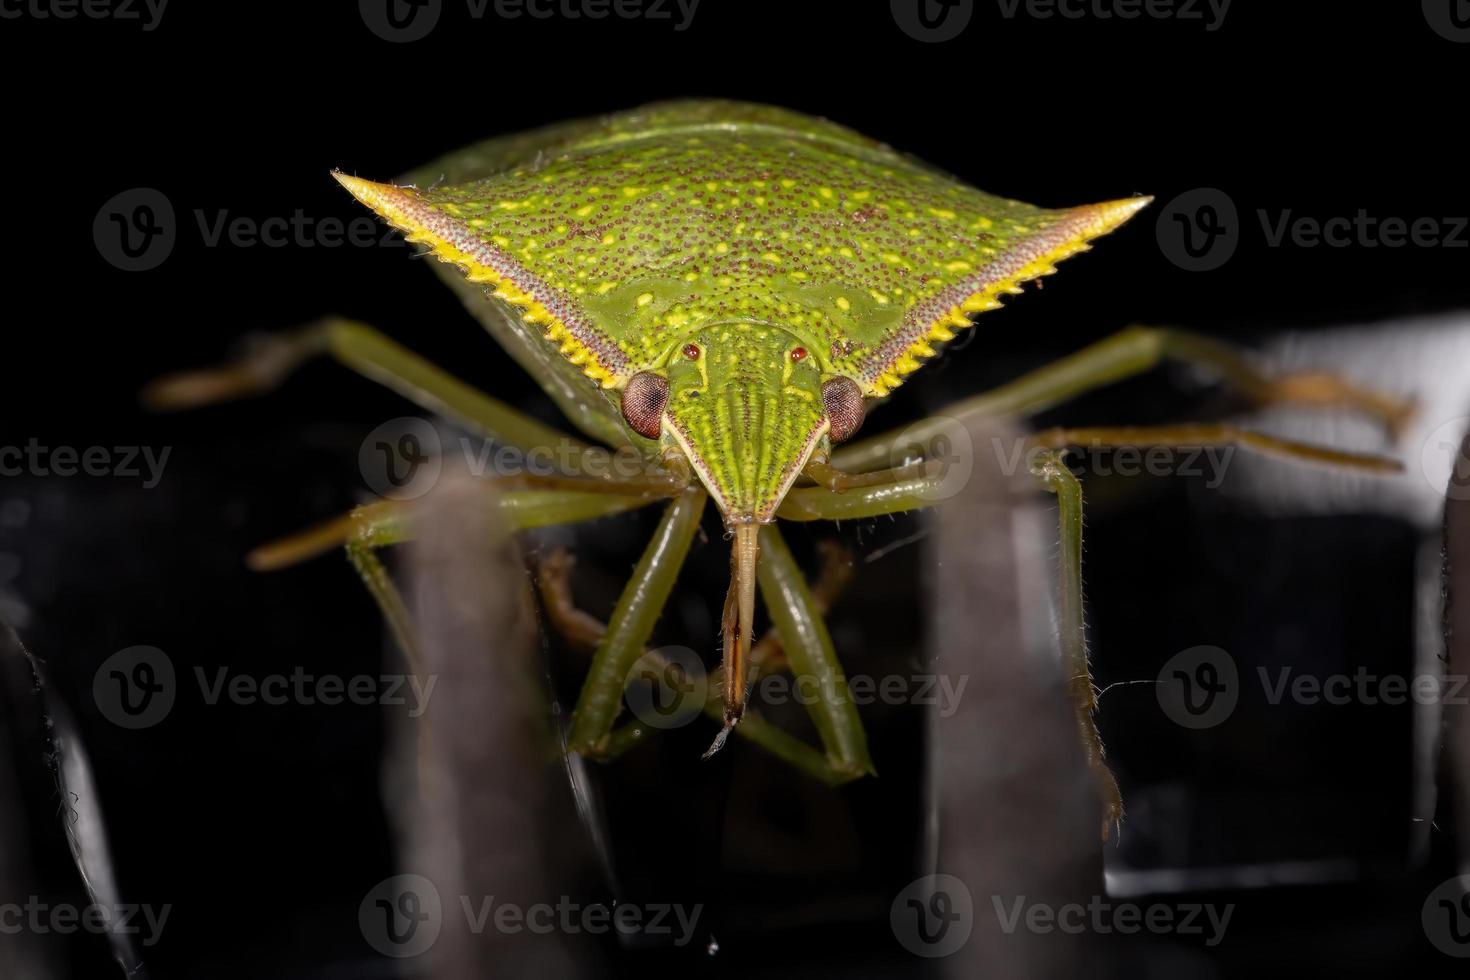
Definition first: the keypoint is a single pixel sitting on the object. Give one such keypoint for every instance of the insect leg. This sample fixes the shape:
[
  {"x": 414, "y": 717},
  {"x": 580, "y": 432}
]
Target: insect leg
[
  {"x": 1211, "y": 435},
  {"x": 368, "y": 352},
  {"x": 821, "y": 504},
  {"x": 768, "y": 656},
  {"x": 657, "y": 483},
  {"x": 813, "y": 660},
  {"x": 1122, "y": 355},
  {"x": 1060, "y": 480},
  {"x": 632, "y": 622},
  {"x": 554, "y": 581},
  {"x": 1073, "y": 632},
  {"x": 585, "y": 631},
  {"x": 361, "y": 550},
  {"x": 754, "y": 729},
  {"x": 840, "y": 481},
  {"x": 376, "y": 524},
  {"x": 525, "y": 509},
  {"x": 879, "y": 492},
  {"x": 384, "y": 522}
]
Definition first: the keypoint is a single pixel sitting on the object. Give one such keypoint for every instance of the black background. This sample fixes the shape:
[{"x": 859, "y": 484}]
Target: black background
[{"x": 261, "y": 826}]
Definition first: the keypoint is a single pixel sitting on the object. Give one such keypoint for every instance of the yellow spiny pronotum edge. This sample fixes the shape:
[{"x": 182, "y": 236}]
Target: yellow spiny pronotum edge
[
  {"x": 403, "y": 208},
  {"x": 1075, "y": 230}
]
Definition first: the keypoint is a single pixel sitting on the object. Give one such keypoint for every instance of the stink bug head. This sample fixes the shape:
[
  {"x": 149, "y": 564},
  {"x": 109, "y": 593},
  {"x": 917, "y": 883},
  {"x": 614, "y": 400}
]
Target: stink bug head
[
  {"x": 746, "y": 410},
  {"x": 743, "y": 403}
]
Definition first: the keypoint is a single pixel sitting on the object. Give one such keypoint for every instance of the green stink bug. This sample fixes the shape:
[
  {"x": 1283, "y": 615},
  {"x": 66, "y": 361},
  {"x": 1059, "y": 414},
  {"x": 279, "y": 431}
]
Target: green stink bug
[{"x": 728, "y": 288}]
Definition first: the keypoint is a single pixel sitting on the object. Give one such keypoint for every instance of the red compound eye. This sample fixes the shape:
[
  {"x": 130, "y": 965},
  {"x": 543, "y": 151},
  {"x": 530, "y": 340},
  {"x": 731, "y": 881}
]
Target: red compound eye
[
  {"x": 691, "y": 351},
  {"x": 644, "y": 399},
  {"x": 843, "y": 400},
  {"x": 798, "y": 353}
]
